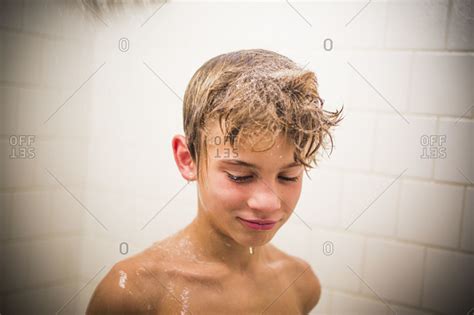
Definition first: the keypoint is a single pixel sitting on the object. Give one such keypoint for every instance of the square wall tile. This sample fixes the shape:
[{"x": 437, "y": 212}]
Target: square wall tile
[
  {"x": 430, "y": 213},
  {"x": 353, "y": 141},
  {"x": 458, "y": 163},
  {"x": 8, "y": 110},
  {"x": 346, "y": 304},
  {"x": 67, "y": 215},
  {"x": 449, "y": 282},
  {"x": 416, "y": 24},
  {"x": 320, "y": 198},
  {"x": 442, "y": 84},
  {"x": 15, "y": 172},
  {"x": 398, "y": 146},
  {"x": 31, "y": 215},
  {"x": 369, "y": 204},
  {"x": 6, "y": 208},
  {"x": 401, "y": 310},
  {"x": 394, "y": 271},
  {"x": 365, "y": 30},
  {"x": 467, "y": 237},
  {"x": 332, "y": 253},
  {"x": 15, "y": 263},
  {"x": 54, "y": 260},
  {"x": 378, "y": 80},
  {"x": 461, "y": 25},
  {"x": 11, "y": 15}
]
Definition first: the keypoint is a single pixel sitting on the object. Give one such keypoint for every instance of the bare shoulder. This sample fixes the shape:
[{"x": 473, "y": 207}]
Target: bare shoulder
[
  {"x": 127, "y": 288},
  {"x": 306, "y": 282}
]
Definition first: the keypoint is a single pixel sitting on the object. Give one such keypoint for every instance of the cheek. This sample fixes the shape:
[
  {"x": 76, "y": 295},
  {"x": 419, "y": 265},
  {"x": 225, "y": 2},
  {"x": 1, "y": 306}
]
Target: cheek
[
  {"x": 291, "y": 195},
  {"x": 227, "y": 195}
]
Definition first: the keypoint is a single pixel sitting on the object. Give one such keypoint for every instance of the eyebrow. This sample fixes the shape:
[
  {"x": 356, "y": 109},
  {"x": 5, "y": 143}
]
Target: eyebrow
[{"x": 243, "y": 163}]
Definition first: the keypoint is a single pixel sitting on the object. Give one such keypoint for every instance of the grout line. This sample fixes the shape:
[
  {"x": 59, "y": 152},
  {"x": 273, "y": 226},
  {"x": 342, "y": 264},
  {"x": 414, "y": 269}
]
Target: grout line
[
  {"x": 33, "y": 86},
  {"x": 433, "y": 166},
  {"x": 401, "y": 184},
  {"x": 448, "y": 19},
  {"x": 386, "y": 25},
  {"x": 330, "y": 301},
  {"x": 410, "y": 82},
  {"x": 363, "y": 264},
  {"x": 43, "y": 237},
  {"x": 16, "y": 31},
  {"x": 422, "y": 291},
  {"x": 52, "y": 284},
  {"x": 374, "y": 143},
  {"x": 386, "y": 238},
  {"x": 391, "y": 302},
  {"x": 463, "y": 210},
  {"x": 351, "y": 171},
  {"x": 408, "y": 113},
  {"x": 468, "y": 52},
  {"x": 340, "y": 204}
]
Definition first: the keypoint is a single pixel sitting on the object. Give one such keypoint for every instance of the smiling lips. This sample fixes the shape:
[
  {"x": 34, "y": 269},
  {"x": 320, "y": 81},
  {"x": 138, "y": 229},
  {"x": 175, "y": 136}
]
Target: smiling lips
[{"x": 264, "y": 225}]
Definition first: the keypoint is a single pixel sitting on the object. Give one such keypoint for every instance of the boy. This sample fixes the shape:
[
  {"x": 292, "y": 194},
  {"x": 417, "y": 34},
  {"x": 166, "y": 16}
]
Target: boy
[{"x": 253, "y": 122}]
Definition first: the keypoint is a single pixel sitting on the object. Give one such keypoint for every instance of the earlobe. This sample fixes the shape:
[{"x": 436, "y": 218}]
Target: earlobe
[{"x": 183, "y": 158}]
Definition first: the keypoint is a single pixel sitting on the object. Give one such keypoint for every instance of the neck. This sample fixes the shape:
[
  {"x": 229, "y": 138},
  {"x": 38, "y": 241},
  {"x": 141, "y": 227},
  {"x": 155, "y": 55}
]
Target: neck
[{"x": 216, "y": 246}]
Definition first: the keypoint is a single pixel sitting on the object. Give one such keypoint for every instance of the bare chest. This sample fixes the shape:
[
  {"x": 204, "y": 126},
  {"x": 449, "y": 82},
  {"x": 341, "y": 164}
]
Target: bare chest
[{"x": 231, "y": 295}]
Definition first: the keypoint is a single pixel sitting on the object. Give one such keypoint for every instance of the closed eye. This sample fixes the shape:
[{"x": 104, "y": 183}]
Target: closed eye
[{"x": 244, "y": 179}]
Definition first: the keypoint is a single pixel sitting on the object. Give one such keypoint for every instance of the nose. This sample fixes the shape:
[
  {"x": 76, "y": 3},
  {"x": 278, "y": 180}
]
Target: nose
[{"x": 264, "y": 198}]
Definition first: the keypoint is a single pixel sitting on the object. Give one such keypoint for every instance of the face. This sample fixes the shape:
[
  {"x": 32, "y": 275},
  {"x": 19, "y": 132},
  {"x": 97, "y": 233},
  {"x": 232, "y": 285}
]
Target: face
[{"x": 249, "y": 195}]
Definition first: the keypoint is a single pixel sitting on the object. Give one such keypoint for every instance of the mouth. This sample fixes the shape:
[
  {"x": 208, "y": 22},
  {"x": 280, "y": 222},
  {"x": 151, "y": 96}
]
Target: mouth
[{"x": 260, "y": 225}]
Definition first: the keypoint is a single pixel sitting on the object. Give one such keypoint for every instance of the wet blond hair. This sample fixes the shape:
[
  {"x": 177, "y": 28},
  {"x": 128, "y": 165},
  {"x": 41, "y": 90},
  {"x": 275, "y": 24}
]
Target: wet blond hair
[{"x": 257, "y": 95}]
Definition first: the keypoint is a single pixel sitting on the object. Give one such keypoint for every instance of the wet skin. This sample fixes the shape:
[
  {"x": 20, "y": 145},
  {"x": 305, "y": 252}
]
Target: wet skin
[
  {"x": 163, "y": 281},
  {"x": 207, "y": 268}
]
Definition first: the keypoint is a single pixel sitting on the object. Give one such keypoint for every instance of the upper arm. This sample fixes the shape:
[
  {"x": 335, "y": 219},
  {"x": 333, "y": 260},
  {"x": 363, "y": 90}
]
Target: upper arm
[
  {"x": 118, "y": 293},
  {"x": 313, "y": 290},
  {"x": 309, "y": 287}
]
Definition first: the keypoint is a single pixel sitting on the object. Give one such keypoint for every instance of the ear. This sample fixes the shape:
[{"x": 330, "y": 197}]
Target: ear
[{"x": 183, "y": 159}]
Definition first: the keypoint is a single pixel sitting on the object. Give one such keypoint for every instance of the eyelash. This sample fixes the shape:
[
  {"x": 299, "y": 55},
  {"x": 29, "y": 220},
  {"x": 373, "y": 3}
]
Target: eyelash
[{"x": 244, "y": 179}]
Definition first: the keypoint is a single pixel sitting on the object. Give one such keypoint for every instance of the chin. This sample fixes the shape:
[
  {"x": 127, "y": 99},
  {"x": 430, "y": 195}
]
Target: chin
[{"x": 255, "y": 240}]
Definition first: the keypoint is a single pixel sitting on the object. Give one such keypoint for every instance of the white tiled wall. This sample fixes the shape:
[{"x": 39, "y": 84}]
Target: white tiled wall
[
  {"x": 451, "y": 75},
  {"x": 43, "y": 60},
  {"x": 467, "y": 236},
  {"x": 386, "y": 230},
  {"x": 434, "y": 219},
  {"x": 404, "y": 262}
]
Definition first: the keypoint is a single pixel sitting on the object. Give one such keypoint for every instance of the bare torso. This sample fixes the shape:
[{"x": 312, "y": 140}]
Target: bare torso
[{"x": 170, "y": 278}]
